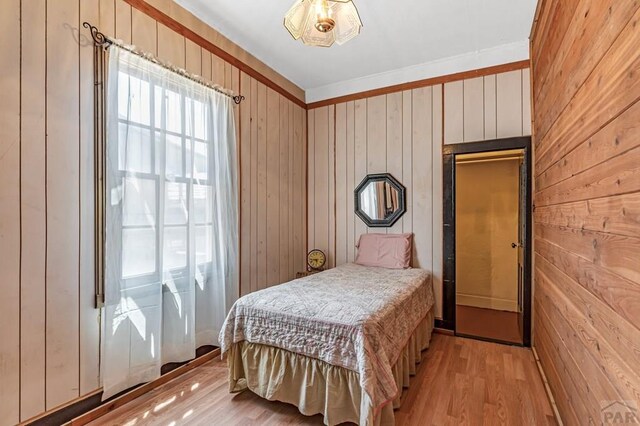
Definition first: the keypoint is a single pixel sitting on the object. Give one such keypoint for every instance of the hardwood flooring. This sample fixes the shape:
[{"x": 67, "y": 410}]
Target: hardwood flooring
[
  {"x": 460, "y": 381},
  {"x": 488, "y": 323}
]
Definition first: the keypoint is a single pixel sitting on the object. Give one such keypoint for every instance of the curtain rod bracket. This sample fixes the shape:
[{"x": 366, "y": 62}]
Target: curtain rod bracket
[{"x": 99, "y": 39}]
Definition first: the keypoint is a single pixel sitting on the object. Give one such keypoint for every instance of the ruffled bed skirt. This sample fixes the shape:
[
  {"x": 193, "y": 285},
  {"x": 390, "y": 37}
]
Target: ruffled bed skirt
[{"x": 317, "y": 387}]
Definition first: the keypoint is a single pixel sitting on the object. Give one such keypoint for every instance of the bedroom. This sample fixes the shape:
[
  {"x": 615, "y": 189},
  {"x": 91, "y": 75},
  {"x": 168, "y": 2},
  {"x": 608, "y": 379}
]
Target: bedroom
[{"x": 501, "y": 137}]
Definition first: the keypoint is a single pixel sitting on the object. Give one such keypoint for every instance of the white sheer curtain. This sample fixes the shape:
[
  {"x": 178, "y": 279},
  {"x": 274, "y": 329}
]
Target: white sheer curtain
[{"x": 171, "y": 221}]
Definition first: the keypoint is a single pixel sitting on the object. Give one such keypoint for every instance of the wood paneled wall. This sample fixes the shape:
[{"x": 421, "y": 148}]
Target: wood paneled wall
[
  {"x": 489, "y": 107},
  {"x": 402, "y": 133},
  {"x": 390, "y": 133},
  {"x": 586, "y": 88},
  {"x": 49, "y": 350},
  {"x": 273, "y": 215}
]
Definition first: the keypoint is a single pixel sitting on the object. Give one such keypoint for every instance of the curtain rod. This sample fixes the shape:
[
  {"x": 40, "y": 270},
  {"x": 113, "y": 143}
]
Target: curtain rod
[{"x": 100, "y": 40}]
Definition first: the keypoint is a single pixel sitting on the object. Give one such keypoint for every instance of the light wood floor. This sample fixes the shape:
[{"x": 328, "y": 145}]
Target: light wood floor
[{"x": 460, "y": 381}]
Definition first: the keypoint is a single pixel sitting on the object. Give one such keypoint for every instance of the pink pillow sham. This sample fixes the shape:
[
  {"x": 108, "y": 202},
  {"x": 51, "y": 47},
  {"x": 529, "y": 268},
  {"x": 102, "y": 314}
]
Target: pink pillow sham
[{"x": 391, "y": 251}]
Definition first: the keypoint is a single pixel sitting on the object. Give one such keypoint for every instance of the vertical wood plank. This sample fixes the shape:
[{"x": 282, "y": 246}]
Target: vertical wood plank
[
  {"x": 10, "y": 214},
  {"x": 509, "y": 104},
  {"x": 171, "y": 46},
  {"x": 473, "y": 92},
  {"x": 407, "y": 157},
  {"x": 291, "y": 185},
  {"x": 304, "y": 188},
  {"x": 350, "y": 181},
  {"x": 437, "y": 199},
  {"x": 217, "y": 70},
  {"x": 360, "y": 149},
  {"x": 394, "y": 147},
  {"x": 490, "y": 107},
  {"x": 526, "y": 102},
  {"x": 342, "y": 213},
  {"x": 255, "y": 206},
  {"x": 422, "y": 177},
  {"x": 193, "y": 58},
  {"x": 62, "y": 319},
  {"x": 376, "y": 135},
  {"x": 298, "y": 200},
  {"x": 108, "y": 17},
  {"x": 331, "y": 207},
  {"x": 143, "y": 31},
  {"x": 453, "y": 112},
  {"x": 235, "y": 87},
  {"x": 262, "y": 186},
  {"x": 33, "y": 206},
  {"x": 311, "y": 174},
  {"x": 273, "y": 188},
  {"x": 283, "y": 205},
  {"x": 321, "y": 192},
  {"x": 245, "y": 184},
  {"x": 206, "y": 67},
  {"x": 89, "y": 315},
  {"x": 123, "y": 21},
  {"x": 228, "y": 75}
]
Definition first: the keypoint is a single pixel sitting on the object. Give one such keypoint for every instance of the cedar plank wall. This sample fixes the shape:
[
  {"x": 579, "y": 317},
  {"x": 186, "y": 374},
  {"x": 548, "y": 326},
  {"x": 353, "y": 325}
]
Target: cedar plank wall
[
  {"x": 586, "y": 84},
  {"x": 49, "y": 346},
  {"x": 402, "y": 133}
]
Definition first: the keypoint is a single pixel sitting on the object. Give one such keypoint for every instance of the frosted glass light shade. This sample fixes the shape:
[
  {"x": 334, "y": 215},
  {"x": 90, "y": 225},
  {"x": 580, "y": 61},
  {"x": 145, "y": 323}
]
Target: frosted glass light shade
[{"x": 306, "y": 17}]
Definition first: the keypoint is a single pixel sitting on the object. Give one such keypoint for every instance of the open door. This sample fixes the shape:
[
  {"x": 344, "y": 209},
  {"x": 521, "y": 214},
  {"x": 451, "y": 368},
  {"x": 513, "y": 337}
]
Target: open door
[
  {"x": 489, "y": 240},
  {"x": 473, "y": 256}
]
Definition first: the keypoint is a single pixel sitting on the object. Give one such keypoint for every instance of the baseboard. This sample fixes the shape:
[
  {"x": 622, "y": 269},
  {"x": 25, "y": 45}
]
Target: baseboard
[
  {"x": 444, "y": 331},
  {"x": 487, "y": 302},
  {"x": 89, "y": 407},
  {"x": 547, "y": 388},
  {"x": 64, "y": 412},
  {"x": 127, "y": 397}
]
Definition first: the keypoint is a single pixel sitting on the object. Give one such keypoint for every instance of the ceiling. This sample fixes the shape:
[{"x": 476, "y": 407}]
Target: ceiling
[{"x": 399, "y": 40}]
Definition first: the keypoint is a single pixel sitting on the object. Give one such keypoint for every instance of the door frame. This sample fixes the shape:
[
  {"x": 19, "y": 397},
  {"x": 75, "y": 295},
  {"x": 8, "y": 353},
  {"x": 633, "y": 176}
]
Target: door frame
[{"x": 449, "y": 152}]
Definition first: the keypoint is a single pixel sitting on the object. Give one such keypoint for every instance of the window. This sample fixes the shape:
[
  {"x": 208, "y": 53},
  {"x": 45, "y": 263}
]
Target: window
[
  {"x": 171, "y": 218},
  {"x": 163, "y": 151}
]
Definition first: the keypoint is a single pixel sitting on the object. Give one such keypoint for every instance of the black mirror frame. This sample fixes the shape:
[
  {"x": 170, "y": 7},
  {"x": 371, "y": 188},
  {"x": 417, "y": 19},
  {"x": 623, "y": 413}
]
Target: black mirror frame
[{"x": 380, "y": 223}]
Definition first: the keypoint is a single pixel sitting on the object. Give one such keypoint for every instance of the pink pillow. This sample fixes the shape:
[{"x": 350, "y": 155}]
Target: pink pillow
[{"x": 391, "y": 251}]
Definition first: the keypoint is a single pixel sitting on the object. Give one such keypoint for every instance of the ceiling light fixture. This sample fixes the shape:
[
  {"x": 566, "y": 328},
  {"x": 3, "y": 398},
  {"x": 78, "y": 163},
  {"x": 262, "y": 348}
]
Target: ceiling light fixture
[{"x": 323, "y": 22}]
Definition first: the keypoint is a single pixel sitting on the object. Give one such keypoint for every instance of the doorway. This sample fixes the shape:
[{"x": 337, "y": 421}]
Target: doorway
[{"x": 487, "y": 254}]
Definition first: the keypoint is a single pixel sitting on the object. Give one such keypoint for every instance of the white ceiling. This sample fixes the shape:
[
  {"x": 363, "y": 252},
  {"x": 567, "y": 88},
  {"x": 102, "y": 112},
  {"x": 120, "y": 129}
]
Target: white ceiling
[{"x": 401, "y": 40}]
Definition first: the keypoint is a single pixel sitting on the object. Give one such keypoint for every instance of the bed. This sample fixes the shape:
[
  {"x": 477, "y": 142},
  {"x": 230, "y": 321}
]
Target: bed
[{"x": 341, "y": 343}]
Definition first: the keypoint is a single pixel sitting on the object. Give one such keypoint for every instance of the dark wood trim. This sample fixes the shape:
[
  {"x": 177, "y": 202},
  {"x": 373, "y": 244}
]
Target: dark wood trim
[
  {"x": 486, "y": 339},
  {"x": 63, "y": 413},
  {"x": 423, "y": 83},
  {"x": 449, "y": 230},
  {"x": 126, "y": 397},
  {"x": 440, "y": 330},
  {"x": 90, "y": 407},
  {"x": 179, "y": 28}
]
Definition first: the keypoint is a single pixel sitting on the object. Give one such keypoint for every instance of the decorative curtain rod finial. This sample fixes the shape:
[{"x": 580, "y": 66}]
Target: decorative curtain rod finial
[
  {"x": 237, "y": 99},
  {"x": 99, "y": 39}
]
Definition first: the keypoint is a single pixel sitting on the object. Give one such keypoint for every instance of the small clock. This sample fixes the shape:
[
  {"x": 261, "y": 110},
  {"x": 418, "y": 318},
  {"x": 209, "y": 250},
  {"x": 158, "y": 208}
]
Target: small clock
[{"x": 316, "y": 259}]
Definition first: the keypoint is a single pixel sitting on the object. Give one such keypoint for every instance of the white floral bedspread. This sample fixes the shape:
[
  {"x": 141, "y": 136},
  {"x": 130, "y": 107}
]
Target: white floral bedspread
[{"x": 352, "y": 316}]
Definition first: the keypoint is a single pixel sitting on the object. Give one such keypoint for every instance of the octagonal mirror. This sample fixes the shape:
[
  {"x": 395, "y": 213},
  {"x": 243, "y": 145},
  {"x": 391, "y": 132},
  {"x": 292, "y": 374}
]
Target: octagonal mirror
[{"x": 379, "y": 200}]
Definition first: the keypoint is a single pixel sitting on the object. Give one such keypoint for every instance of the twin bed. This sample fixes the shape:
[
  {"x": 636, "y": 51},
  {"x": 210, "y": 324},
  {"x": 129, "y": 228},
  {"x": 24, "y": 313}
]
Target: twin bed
[{"x": 341, "y": 343}]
